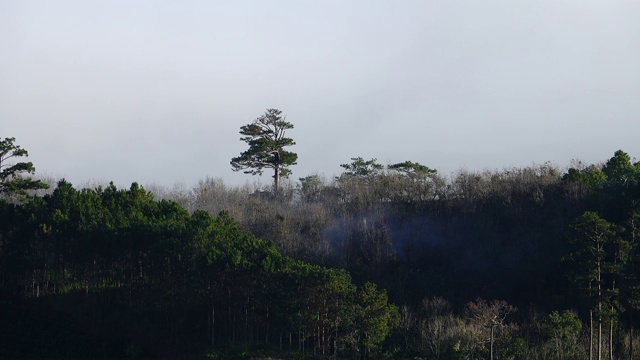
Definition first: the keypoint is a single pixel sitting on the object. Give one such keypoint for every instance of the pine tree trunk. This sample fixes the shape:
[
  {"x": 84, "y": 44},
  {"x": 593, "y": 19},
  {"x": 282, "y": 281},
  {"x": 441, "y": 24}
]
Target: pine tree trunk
[
  {"x": 599, "y": 347},
  {"x": 266, "y": 337},
  {"x": 213, "y": 325},
  {"x": 590, "y": 334},
  {"x": 611, "y": 338}
]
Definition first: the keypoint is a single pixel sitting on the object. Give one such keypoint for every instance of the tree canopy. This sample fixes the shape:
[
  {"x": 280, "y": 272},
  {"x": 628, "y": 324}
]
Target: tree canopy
[
  {"x": 116, "y": 273},
  {"x": 12, "y": 179},
  {"x": 266, "y": 137},
  {"x": 361, "y": 167},
  {"x": 410, "y": 168},
  {"x": 316, "y": 272}
]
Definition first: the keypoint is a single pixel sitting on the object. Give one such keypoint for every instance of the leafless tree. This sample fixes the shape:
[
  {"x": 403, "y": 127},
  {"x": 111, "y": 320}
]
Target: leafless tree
[{"x": 490, "y": 317}]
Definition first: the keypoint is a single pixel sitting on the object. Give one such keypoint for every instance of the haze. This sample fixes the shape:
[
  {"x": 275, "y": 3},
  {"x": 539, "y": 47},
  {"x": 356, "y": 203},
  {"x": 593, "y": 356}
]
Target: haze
[{"x": 156, "y": 91}]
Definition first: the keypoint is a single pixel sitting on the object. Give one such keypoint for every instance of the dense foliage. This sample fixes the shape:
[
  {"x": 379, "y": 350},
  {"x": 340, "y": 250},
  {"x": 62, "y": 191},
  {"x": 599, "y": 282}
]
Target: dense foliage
[
  {"x": 523, "y": 263},
  {"x": 108, "y": 272},
  {"x": 518, "y": 235}
]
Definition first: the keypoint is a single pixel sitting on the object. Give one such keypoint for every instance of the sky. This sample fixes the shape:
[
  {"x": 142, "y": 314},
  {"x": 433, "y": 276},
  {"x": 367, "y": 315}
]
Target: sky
[{"x": 156, "y": 91}]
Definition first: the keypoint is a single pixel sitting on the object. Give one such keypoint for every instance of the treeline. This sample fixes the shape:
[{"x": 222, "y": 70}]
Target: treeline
[
  {"x": 114, "y": 273},
  {"x": 418, "y": 232},
  {"x": 521, "y": 263},
  {"x": 509, "y": 235}
]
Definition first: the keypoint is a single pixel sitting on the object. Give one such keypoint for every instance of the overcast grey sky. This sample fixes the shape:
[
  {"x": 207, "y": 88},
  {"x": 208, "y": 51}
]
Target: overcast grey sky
[{"x": 156, "y": 91}]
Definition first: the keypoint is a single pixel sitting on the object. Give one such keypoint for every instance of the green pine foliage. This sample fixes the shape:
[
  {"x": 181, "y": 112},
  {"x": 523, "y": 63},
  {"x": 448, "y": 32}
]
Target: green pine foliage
[
  {"x": 12, "y": 174},
  {"x": 111, "y": 271},
  {"x": 379, "y": 262},
  {"x": 267, "y": 140}
]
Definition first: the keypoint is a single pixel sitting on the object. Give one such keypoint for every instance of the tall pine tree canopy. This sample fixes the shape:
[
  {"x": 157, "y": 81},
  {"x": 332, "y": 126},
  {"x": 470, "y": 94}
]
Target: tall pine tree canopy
[
  {"x": 12, "y": 179},
  {"x": 266, "y": 137}
]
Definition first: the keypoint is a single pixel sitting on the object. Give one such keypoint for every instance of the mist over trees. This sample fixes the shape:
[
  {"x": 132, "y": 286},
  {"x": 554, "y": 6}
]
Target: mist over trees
[{"x": 395, "y": 261}]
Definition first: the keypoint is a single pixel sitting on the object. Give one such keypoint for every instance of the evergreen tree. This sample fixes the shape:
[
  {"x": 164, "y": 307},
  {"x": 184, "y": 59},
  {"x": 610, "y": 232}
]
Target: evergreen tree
[
  {"x": 266, "y": 137},
  {"x": 593, "y": 236},
  {"x": 12, "y": 179}
]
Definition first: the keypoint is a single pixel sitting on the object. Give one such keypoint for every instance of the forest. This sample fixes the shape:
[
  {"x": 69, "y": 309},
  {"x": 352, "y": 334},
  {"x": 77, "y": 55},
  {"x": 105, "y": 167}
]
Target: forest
[{"x": 394, "y": 261}]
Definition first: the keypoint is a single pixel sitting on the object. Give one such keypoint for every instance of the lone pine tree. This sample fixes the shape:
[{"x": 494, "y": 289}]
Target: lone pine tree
[{"x": 267, "y": 142}]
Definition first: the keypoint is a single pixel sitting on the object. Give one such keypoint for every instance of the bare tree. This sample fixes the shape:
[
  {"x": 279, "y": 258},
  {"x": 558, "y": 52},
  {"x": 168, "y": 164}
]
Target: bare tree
[{"x": 490, "y": 316}]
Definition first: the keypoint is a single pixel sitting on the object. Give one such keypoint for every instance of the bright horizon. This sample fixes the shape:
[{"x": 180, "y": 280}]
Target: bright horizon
[{"x": 155, "y": 92}]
